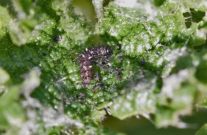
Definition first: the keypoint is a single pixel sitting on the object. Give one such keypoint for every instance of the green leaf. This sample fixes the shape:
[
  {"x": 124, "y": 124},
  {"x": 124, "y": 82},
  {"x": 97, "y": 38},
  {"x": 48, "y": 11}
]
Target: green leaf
[
  {"x": 200, "y": 74},
  {"x": 197, "y": 15},
  {"x": 159, "y": 2},
  {"x": 202, "y": 130},
  {"x": 157, "y": 69},
  {"x": 4, "y": 21}
]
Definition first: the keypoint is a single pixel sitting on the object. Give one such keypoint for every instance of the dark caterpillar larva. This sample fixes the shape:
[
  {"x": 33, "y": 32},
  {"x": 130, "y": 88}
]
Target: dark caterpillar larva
[{"x": 88, "y": 58}]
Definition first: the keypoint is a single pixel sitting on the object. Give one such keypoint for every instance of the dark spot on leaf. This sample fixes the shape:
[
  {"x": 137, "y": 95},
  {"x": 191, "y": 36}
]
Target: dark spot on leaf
[
  {"x": 159, "y": 2},
  {"x": 197, "y": 15},
  {"x": 57, "y": 38},
  {"x": 201, "y": 73},
  {"x": 193, "y": 16}
]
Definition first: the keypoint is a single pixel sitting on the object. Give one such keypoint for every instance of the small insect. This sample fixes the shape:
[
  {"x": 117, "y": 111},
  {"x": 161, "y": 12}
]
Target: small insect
[{"x": 90, "y": 57}]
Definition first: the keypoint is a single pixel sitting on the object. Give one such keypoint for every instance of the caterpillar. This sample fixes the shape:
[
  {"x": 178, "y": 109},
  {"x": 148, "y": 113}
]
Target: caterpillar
[{"x": 88, "y": 58}]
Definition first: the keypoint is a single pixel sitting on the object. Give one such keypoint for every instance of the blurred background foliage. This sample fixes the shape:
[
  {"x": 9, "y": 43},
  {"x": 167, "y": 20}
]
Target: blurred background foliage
[{"x": 156, "y": 84}]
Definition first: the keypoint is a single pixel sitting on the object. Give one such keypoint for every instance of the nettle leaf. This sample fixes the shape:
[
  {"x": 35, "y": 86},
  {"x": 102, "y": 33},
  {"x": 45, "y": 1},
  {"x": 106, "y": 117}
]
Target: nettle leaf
[
  {"x": 193, "y": 16},
  {"x": 4, "y": 78},
  {"x": 140, "y": 101},
  {"x": 4, "y": 20},
  {"x": 202, "y": 130},
  {"x": 200, "y": 74},
  {"x": 157, "y": 68},
  {"x": 153, "y": 42},
  {"x": 159, "y": 2},
  {"x": 175, "y": 100},
  {"x": 197, "y": 16},
  {"x": 11, "y": 111}
]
